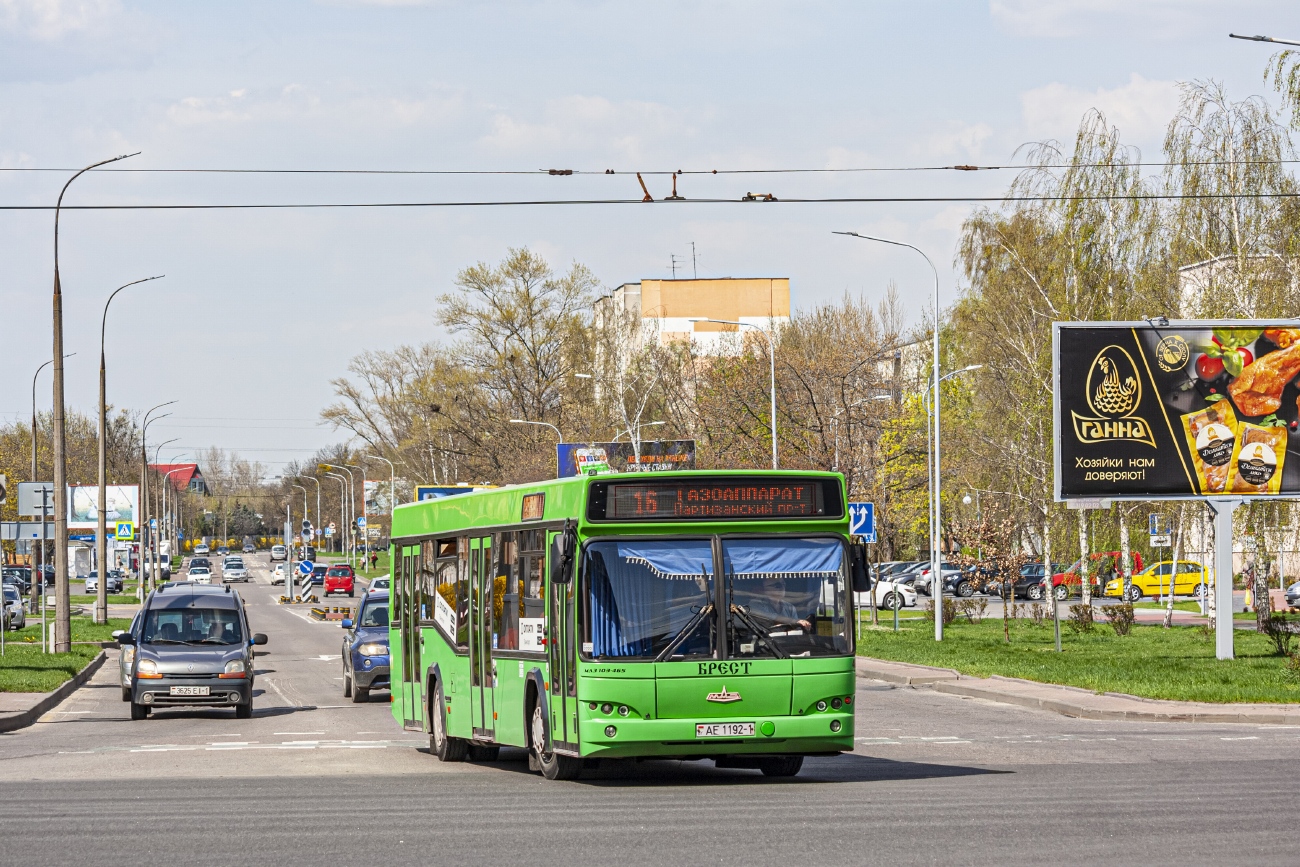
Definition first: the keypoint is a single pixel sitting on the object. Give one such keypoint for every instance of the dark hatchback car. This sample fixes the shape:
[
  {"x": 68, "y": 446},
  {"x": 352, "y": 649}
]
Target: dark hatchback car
[
  {"x": 365, "y": 648},
  {"x": 193, "y": 648}
]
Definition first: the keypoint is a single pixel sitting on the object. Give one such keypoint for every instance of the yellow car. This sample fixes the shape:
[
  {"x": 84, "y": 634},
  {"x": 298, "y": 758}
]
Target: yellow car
[{"x": 1189, "y": 580}]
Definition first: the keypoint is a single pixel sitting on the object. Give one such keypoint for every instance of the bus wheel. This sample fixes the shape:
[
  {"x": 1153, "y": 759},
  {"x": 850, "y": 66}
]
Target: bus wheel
[
  {"x": 553, "y": 767},
  {"x": 442, "y": 745},
  {"x": 781, "y": 766}
]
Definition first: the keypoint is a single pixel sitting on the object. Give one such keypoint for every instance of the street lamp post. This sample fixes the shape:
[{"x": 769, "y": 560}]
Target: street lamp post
[
  {"x": 142, "y": 526},
  {"x": 352, "y": 509},
  {"x": 936, "y": 490},
  {"x": 320, "y": 527},
  {"x": 38, "y": 587},
  {"x": 771, "y": 355},
  {"x": 62, "y": 608},
  {"x": 154, "y": 537},
  {"x": 935, "y": 565},
  {"x": 101, "y": 535},
  {"x": 343, "y": 515}
]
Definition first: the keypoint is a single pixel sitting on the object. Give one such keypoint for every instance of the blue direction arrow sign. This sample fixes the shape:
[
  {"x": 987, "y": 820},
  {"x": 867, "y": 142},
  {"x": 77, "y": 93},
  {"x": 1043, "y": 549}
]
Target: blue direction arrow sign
[
  {"x": 862, "y": 520},
  {"x": 306, "y": 567}
]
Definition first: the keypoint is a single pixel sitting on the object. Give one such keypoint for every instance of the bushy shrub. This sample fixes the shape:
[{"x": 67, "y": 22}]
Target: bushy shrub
[
  {"x": 1120, "y": 617},
  {"x": 1281, "y": 631},
  {"x": 949, "y": 611},
  {"x": 1080, "y": 621},
  {"x": 1038, "y": 613},
  {"x": 974, "y": 608}
]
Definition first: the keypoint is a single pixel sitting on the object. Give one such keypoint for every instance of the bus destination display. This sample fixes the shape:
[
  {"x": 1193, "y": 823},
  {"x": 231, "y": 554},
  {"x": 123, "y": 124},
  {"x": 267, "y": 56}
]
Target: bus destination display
[{"x": 714, "y": 499}]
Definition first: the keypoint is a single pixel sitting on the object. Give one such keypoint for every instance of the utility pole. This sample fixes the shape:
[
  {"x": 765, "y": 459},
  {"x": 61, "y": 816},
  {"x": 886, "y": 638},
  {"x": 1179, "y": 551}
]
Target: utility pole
[
  {"x": 695, "y": 272},
  {"x": 673, "y": 258}
]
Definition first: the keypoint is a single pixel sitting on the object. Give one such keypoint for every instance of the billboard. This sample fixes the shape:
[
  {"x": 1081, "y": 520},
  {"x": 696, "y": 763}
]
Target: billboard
[
  {"x": 580, "y": 459},
  {"x": 83, "y": 505},
  {"x": 1177, "y": 410}
]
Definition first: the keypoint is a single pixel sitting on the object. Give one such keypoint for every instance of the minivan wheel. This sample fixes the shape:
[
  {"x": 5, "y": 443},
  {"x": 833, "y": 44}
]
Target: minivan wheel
[
  {"x": 138, "y": 711},
  {"x": 244, "y": 711}
]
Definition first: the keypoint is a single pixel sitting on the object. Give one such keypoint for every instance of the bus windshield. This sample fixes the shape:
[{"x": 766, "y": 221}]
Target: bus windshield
[{"x": 783, "y": 597}]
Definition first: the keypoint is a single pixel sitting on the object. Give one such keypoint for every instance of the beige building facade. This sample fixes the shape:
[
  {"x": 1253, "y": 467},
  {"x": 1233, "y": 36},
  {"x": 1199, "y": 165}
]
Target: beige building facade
[{"x": 665, "y": 309}]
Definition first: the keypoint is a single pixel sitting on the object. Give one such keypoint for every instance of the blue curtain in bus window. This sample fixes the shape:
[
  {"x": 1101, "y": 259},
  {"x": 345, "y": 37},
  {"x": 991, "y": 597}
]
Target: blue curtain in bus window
[
  {"x": 785, "y": 558},
  {"x": 633, "y": 589}
]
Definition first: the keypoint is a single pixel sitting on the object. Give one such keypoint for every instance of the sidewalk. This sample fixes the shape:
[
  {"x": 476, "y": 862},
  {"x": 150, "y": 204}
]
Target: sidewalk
[
  {"x": 21, "y": 709},
  {"x": 1073, "y": 701}
]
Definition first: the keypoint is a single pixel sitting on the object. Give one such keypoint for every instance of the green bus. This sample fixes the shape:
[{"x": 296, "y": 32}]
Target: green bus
[{"x": 690, "y": 615}]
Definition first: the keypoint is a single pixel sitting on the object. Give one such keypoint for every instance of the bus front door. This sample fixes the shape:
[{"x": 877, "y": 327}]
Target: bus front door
[
  {"x": 482, "y": 665},
  {"x": 562, "y": 661},
  {"x": 406, "y": 573}
]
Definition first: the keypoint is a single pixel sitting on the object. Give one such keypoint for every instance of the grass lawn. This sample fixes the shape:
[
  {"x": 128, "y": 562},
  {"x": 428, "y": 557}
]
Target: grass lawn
[
  {"x": 82, "y": 629},
  {"x": 1152, "y": 662},
  {"x": 113, "y": 599},
  {"x": 24, "y": 668}
]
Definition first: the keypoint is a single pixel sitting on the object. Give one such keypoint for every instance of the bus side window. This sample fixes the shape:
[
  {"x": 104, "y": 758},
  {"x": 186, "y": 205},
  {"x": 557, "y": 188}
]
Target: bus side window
[
  {"x": 428, "y": 579},
  {"x": 395, "y": 588},
  {"x": 505, "y": 584},
  {"x": 462, "y": 591}
]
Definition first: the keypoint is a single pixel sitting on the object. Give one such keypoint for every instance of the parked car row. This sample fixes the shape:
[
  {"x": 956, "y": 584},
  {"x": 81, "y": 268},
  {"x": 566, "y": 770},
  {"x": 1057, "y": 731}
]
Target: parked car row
[{"x": 1067, "y": 581}]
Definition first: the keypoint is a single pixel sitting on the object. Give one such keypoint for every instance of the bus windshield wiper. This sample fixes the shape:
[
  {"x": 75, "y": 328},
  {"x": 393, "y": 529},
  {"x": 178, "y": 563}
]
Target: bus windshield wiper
[
  {"x": 685, "y": 632},
  {"x": 739, "y": 611}
]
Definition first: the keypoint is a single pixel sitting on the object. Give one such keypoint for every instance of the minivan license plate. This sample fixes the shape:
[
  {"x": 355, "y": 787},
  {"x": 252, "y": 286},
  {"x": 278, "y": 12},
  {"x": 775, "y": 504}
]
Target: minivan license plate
[
  {"x": 724, "y": 730},
  {"x": 200, "y": 690}
]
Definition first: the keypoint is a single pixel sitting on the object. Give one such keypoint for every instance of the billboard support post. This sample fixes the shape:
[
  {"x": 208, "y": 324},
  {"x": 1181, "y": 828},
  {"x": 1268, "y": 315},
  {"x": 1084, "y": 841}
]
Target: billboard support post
[{"x": 1223, "y": 508}]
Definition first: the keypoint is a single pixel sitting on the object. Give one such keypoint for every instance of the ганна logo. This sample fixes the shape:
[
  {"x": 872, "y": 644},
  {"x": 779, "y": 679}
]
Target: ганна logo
[{"x": 1113, "y": 390}]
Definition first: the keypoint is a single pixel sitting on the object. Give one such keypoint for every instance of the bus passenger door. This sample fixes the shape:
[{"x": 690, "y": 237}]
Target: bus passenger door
[
  {"x": 559, "y": 650},
  {"x": 410, "y": 640},
  {"x": 482, "y": 666}
]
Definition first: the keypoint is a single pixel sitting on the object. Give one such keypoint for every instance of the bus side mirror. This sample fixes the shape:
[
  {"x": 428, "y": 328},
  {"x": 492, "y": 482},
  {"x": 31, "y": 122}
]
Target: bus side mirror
[
  {"x": 860, "y": 569},
  {"x": 562, "y": 553}
]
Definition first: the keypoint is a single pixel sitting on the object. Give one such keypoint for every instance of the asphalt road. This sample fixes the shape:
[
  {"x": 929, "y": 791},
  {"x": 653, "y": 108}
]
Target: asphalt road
[{"x": 935, "y": 779}]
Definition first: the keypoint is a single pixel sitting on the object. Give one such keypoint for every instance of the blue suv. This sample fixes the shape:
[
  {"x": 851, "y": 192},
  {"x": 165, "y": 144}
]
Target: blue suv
[{"x": 365, "y": 648}]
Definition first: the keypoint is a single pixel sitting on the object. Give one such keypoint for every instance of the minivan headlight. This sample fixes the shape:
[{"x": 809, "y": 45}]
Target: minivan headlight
[
  {"x": 149, "y": 669},
  {"x": 128, "y": 654},
  {"x": 234, "y": 668},
  {"x": 373, "y": 649}
]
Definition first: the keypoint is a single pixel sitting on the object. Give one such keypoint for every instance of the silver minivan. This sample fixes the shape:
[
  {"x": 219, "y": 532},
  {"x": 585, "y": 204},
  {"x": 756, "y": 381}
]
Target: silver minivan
[{"x": 193, "y": 648}]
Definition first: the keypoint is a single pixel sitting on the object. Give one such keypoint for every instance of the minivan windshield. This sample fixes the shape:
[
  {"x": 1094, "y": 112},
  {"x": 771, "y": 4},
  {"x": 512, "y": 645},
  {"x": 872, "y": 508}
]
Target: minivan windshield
[
  {"x": 783, "y": 597},
  {"x": 192, "y": 626}
]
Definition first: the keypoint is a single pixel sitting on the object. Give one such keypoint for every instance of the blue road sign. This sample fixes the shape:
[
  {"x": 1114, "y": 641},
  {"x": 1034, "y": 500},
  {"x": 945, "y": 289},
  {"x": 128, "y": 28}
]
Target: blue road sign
[
  {"x": 306, "y": 567},
  {"x": 862, "y": 520}
]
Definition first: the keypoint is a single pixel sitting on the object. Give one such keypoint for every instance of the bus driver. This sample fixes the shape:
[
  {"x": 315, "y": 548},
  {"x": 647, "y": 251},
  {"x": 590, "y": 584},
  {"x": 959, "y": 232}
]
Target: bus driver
[{"x": 771, "y": 604}]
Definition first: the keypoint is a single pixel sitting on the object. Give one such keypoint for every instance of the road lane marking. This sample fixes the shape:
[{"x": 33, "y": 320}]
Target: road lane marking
[{"x": 299, "y": 733}]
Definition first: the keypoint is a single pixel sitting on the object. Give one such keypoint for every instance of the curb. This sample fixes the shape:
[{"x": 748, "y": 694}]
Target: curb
[
  {"x": 1072, "y": 701},
  {"x": 53, "y": 699}
]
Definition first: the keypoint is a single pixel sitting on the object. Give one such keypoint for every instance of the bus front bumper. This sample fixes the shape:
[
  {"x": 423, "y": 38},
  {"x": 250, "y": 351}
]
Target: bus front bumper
[{"x": 810, "y": 734}]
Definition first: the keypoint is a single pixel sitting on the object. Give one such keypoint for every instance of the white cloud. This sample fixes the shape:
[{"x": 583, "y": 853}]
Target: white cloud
[
  {"x": 1066, "y": 18},
  {"x": 1140, "y": 109},
  {"x": 48, "y": 20},
  {"x": 625, "y": 129},
  {"x": 964, "y": 141},
  {"x": 295, "y": 104}
]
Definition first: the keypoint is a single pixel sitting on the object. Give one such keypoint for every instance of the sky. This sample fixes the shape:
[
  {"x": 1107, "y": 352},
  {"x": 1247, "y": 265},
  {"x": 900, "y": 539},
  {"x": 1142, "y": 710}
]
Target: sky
[{"x": 260, "y": 309}]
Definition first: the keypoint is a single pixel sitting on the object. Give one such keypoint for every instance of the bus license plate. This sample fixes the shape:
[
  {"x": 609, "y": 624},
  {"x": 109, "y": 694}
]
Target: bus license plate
[
  {"x": 189, "y": 690},
  {"x": 724, "y": 730}
]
